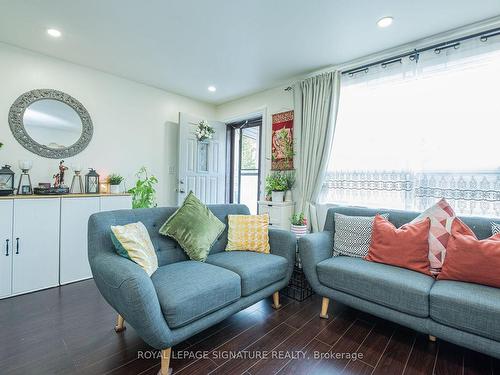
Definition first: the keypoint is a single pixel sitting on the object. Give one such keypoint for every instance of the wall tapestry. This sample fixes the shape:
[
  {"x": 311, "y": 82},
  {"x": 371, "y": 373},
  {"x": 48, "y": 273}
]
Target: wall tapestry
[{"x": 282, "y": 141}]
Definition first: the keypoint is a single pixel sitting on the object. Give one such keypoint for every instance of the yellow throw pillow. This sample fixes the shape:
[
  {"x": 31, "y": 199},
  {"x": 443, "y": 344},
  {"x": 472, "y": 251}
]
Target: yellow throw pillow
[
  {"x": 132, "y": 241},
  {"x": 248, "y": 232}
]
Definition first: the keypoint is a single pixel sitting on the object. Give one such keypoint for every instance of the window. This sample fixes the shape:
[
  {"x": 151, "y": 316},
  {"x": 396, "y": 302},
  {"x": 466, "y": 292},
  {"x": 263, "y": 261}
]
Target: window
[{"x": 411, "y": 133}]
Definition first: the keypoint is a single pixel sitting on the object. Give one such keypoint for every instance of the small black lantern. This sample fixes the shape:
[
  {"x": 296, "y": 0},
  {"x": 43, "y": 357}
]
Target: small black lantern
[
  {"x": 6, "y": 180},
  {"x": 92, "y": 182}
]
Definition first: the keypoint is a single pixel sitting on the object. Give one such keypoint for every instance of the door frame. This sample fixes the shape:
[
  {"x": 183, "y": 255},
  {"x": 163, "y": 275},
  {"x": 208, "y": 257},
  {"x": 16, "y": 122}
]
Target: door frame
[{"x": 230, "y": 164}]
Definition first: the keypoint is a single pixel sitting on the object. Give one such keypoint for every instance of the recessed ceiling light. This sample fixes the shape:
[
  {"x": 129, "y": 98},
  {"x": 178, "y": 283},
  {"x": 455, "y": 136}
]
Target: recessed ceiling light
[
  {"x": 54, "y": 33},
  {"x": 212, "y": 89},
  {"x": 385, "y": 22}
]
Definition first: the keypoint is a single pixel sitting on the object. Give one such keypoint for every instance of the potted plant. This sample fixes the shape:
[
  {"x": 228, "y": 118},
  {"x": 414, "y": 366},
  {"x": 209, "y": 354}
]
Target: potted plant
[
  {"x": 114, "y": 181},
  {"x": 290, "y": 183},
  {"x": 276, "y": 184},
  {"x": 144, "y": 191},
  {"x": 299, "y": 224}
]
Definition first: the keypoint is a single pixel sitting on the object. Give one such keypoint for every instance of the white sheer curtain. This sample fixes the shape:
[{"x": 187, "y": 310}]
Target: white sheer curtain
[{"x": 413, "y": 132}]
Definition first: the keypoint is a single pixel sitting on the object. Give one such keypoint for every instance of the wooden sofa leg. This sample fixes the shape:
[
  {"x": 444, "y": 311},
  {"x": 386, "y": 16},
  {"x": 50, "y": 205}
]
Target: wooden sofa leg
[
  {"x": 276, "y": 300},
  {"x": 324, "y": 308},
  {"x": 432, "y": 338},
  {"x": 165, "y": 362},
  {"x": 120, "y": 324}
]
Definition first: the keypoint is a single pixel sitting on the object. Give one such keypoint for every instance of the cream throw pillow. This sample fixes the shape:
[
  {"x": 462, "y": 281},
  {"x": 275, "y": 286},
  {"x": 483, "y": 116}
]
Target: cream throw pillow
[
  {"x": 248, "y": 232},
  {"x": 132, "y": 241}
]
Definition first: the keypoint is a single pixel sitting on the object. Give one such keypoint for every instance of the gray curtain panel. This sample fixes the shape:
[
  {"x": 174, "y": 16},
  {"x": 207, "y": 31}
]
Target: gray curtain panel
[{"x": 316, "y": 104}]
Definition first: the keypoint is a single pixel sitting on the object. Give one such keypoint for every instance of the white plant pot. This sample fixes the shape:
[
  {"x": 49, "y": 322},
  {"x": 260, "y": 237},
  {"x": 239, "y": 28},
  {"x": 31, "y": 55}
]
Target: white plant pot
[
  {"x": 288, "y": 196},
  {"x": 277, "y": 196},
  {"x": 299, "y": 230},
  {"x": 114, "y": 189}
]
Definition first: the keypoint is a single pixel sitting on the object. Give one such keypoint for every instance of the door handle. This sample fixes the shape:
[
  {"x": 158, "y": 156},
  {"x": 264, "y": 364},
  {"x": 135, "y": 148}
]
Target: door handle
[
  {"x": 6, "y": 247},
  {"x": 17, "y": 245}
]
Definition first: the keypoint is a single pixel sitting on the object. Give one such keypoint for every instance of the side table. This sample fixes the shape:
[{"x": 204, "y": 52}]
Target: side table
[{"x": 298, "y": 288}]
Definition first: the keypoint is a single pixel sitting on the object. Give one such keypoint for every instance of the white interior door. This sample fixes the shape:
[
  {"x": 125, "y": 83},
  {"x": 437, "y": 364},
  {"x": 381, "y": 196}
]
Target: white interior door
[{"x": 202, "y": 165}]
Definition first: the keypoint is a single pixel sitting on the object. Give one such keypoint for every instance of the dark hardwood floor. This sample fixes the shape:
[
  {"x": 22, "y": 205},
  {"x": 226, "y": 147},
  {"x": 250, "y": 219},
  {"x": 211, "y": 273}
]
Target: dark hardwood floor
[{"x": 69, "y": 330}]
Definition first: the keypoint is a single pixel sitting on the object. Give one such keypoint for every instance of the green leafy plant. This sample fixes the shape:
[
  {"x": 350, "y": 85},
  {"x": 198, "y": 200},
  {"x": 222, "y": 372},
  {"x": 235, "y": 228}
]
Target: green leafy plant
[
  {"x": 1, "y": 144},
  {"x": 115, "y": 179},
  {"x": 144, "y": 191},
  {"x": 298, "y": 219},
  {"x": 290, "y": 179},
  {"x": 276, "y": 181}
]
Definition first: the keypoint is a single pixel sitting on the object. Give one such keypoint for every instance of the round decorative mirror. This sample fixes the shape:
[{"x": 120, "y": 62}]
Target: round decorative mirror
[{"x": 50, "y": 123}]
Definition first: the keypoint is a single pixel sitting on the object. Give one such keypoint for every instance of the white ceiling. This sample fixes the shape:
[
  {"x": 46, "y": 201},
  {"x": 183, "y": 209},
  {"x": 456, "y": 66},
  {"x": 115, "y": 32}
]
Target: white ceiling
[{"x": 239, "y": 46}]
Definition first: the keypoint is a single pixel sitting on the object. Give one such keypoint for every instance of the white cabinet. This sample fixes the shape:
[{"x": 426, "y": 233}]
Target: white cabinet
[
  {"x": 116, "y": 202},
  {"x": 280, "y": 213},
  {"x": 47, "y": 239},
  {"x": 6, "y": 208},
  {"x": 75, "y": 213},
  {"x": 35, "y": 244}
]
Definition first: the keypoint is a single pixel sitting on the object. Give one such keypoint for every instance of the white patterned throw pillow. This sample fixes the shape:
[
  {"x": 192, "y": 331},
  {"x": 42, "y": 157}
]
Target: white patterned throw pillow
[
  {"x": 441, "y": 215},
  {"x": 495, "y": 228},
  {"x": 353, "y": 235}
]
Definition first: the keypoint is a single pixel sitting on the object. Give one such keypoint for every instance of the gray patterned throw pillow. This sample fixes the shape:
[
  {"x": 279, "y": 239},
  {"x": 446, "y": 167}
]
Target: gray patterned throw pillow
[
  {"x": 353, "y": 235},
  {"x": 495, "y": 228}
]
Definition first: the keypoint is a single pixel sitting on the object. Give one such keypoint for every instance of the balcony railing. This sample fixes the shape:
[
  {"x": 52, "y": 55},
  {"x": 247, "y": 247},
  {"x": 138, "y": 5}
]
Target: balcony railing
[{"x": 470, "y": 193}]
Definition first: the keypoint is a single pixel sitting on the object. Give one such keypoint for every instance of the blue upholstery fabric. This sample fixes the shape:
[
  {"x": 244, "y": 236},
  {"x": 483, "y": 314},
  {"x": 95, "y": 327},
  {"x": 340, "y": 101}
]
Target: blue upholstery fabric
[
  {"x": 167, "y": 249},
  {"x": 129, "y": 290},
  {"x": 190, "y": 290},
  {"x": 414, "y": 322},
  {"x": 256, "y": 270},
  {"x": 469, "y": 307},
  {"x": 398, "y": 288},
  {"x": 469, "y": 340},
  {"x": 481, "y": 226},
  {"x": 284, "y": 244},
  {"x": 465, "y": 314}
]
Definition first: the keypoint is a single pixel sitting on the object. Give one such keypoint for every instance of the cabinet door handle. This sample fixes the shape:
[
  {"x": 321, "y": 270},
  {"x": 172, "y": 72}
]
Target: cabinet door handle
[
  {"x": 7, "y": 248},
  {"x": 17, "y": 245}
]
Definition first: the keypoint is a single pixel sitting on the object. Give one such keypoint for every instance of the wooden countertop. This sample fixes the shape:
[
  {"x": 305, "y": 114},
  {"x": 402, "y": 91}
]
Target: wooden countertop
[{"x": 37, "y": 196}]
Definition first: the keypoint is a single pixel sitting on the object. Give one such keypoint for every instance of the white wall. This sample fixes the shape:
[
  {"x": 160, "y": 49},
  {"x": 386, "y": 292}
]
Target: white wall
[
  {"x": 134, "y": 124},
  {"x": 266, "y": 102}
]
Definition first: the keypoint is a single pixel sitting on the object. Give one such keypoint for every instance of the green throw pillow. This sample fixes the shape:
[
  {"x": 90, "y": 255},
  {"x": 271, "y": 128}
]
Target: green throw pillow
[{"x": 194, "y": 227}]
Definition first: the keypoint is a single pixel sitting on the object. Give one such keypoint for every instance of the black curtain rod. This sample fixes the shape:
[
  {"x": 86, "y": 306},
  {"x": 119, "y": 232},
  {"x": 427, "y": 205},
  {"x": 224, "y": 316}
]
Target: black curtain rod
[{"x": 413, "y": 54}]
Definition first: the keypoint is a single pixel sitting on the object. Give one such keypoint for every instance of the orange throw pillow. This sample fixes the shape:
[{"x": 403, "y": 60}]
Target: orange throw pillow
[
  {"x": 469, "y": 259},
  {"x": 406, "y": 247}
]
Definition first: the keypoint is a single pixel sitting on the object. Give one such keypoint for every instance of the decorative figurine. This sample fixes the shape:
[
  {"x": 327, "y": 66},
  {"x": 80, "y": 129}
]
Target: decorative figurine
[{"x": 59, "y": 177}]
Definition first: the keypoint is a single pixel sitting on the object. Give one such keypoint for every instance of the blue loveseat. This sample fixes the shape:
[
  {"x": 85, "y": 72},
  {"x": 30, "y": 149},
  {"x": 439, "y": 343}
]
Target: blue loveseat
[
  {"x": 184, "y": 297},
  {"x": 463, "y": 313}
]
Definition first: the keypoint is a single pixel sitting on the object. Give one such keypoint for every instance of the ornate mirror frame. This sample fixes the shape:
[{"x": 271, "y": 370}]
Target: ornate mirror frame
[{"x": 16, "y": 115}]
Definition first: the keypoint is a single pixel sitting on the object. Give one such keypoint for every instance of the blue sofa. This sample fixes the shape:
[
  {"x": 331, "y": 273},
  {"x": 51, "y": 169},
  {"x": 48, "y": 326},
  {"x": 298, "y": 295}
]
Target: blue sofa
[
  {"x": 183, "y": 297},
  {"x": 463, "y": 313}
]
